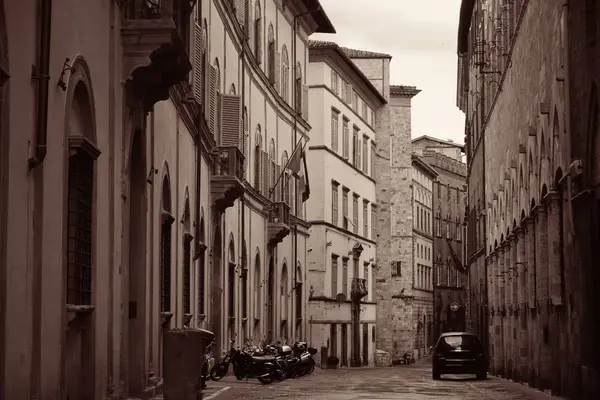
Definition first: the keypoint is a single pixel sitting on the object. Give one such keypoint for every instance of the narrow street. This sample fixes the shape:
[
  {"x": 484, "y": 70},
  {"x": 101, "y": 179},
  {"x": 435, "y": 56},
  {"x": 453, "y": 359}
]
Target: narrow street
[{"x": 412, "y": 382}]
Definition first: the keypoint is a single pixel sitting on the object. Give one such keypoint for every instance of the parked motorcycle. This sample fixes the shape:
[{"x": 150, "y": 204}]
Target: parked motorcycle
[
  {"x": 306, "y": 363},
  {"x": 246, "y": 365}
]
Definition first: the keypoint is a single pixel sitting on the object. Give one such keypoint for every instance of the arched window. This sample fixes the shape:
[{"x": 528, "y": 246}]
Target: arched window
[
  {"x": 271, "y": 53},
  {"x": 298, "y": 89},
  {"x": 285, "y": 74},
  {"x": 257, "y": 287},
  {"x": 231, "y": 287},
  {"x": 165, "y": 247},
  {"x": 284, "y": 290},
  {"x": 187, "y": 258},
  {"x": 257, "y": 157},
  {"x": 258, "y": 33},
  {"x": 298, "y": 291}
]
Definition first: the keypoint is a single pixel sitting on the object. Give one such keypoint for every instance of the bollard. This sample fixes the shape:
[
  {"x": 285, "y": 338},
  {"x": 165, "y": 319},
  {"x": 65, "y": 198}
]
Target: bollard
[{"x": 182, "y": 363}]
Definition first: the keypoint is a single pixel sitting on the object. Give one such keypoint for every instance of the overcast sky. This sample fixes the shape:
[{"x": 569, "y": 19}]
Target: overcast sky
[{"x": 421, "y": 37}]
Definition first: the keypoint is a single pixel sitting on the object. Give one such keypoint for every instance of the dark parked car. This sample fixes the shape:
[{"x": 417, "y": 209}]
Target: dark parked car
[{"x": 459, "y": 353}]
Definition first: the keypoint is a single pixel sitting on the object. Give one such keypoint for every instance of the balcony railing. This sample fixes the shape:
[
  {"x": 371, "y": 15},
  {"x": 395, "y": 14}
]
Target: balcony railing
[
  {"x": 228, "y": 161},
  {"x": 280, "y": 213}
]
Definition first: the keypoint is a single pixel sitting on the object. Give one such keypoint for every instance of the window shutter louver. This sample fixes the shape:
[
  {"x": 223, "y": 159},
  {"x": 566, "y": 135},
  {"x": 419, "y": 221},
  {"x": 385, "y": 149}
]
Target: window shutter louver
[
  {"x": 349, "y": 95},
  {"x": 231, "y": 120},
  {"x": 277, "y": 72},
  {"x": 305, "y": 102},
  {"x": 249, "y": 21},
  {"x": 212, "y": 99},
  {"x": 279, "y": 184},
  {"x": 240, "y": 12},
  {"x": 198, "y": 64},
  {"x": 265, "y": 173}
]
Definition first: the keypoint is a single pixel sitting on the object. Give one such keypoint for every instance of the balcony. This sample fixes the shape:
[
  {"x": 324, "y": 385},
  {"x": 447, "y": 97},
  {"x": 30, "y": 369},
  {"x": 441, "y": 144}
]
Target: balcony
[
  {"x": 154, "y": 54},
  {"x": 227, "y": 176},
  {"x": 359, "y": 288},
  {"x": 279, "y": 222}
]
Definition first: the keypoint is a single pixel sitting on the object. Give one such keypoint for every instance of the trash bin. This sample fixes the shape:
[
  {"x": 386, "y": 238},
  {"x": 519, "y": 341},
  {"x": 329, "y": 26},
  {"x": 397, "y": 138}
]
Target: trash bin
[{"x": 183, "y": 355}]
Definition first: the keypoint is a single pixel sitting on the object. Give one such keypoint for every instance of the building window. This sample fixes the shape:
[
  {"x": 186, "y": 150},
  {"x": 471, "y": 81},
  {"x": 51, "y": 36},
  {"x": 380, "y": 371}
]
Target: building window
[
  {"x": 80, "y": 219},
  {"x": 257, "y": 288},
  {"x": 334, "y": 276},
  {"x": 366, "y": 218},
  {"x": 396, "y": 268},
  {"x": 258, "y": 33},
  {"x": 285, "y": 74},
  {"x": 345, "y": 208},
  {"x": 231, "y": 282},
  {"x": 373, "y": 222},
  {"x": 299, "y": 91},
  {"x": 365, "y": 162},
  {"x": 355, "y": 100},
  {"x": 334, "y": 129},
  {"x": 271, "y": 54},
  {"x": 344, "y": 90},
  {"x": 346, "y": 138},
  {"x": 345, "y": 277},
  {"x": 334, "y": 203},
  {"x": 187, "y": 273},
  {"x": 373, "y": 154},
  {"x": 355, "y": 213},
  {"x": 165, "y": 248},
  {"x": 372, "y": 118},
  {"x": 355, "y": 147},
  {"x": 366, "y": 274},
  {"x": 257, "y": 158},
  {"x": 365, "y": 114},
  {"x": 334, "y": 82}
]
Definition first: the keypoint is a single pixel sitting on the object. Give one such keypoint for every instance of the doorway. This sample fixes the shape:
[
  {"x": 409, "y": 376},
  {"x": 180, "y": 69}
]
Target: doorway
[
  {"x": 136, "y": 273},
  {"x": 217, "y": 288},
  {"x": 271, "y": 301}
]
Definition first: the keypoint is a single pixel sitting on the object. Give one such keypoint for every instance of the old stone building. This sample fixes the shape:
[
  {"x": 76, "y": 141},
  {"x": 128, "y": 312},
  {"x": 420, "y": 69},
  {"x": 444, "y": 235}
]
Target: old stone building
[
  {"x": 528, "y": 91},
  {"x": 391, "y": 156},
  {"x": 140, "y": 185},
  {"x": 343, "y": 104},
  {"x": 450, "y": 281},
  {"x": 423, "y": 177}
]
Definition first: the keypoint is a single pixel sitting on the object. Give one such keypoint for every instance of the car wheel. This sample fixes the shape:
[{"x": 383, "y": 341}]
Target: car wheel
[
  {"x": 435, "y": 375},
  {"x": 482, "y": 375}
]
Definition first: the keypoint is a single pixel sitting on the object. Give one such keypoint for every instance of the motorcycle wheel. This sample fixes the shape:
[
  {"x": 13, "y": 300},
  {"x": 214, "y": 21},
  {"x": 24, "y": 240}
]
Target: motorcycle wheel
[
  {"x": 311, "y": 367},
  {"x": 268, "y": 376},
  {"x": 218, "y": 372}
]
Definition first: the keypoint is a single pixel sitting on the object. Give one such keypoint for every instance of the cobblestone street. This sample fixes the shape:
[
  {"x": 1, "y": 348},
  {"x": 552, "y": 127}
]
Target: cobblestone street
[{"x": 412, "y": 382}]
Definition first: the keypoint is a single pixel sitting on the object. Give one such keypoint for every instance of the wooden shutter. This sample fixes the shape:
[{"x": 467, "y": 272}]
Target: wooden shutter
[
  {"x": 240, "y": 11},
  {"x": 212, "y": 99},
  {"x": 305, "y": 102},
  {"x": 198, "y": 75},
  {"x": 348, "y": 98},
  {"x": 231, "y": 120},
  {"x": 259, "y": 44},
  {"x": 249, "y": 28},
  {"x": 265, "y": 174},
  {"x": 277, "y": 71},
  {"x": 358, "y": 153}
]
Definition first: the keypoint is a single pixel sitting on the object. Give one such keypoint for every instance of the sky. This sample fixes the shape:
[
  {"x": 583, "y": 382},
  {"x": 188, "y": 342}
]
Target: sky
[{"x": 421, "y": 38}]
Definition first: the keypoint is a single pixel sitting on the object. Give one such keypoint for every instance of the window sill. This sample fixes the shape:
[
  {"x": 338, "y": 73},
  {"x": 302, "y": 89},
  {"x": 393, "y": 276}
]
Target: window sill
[{"x": 78, "y": 314}]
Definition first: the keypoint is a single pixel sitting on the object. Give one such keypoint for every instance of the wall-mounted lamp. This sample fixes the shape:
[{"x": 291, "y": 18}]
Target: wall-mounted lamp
[
  {"x": 150, "y": 178},
  {"x": 66, "y": 68},
  {"x": 328, "y": 243}
]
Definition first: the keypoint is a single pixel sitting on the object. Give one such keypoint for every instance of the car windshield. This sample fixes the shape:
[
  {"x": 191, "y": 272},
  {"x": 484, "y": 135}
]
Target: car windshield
[{"x": 460, "y": 342}]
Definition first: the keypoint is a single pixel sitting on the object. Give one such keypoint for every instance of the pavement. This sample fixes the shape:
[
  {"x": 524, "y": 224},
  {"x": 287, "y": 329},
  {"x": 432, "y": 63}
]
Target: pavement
[{"x": 412, "y": 382}]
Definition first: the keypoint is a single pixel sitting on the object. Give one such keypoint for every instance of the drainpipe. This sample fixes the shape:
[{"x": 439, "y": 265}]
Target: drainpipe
[
  {"x": 242, "y": 200},
  {"x": 40, "y": 74}
]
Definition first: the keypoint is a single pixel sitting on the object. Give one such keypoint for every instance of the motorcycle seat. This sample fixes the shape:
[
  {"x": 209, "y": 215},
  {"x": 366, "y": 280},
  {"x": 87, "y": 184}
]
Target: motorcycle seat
[{"x": 263, "y": 358}]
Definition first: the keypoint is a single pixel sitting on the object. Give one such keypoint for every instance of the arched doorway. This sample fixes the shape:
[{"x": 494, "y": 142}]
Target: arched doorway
[
  {"x": 79, "y": 223},
  {"x": 217, "y": 288},
  {"x": 271, "y": 301},
  {"x": 136, "y": 273}
]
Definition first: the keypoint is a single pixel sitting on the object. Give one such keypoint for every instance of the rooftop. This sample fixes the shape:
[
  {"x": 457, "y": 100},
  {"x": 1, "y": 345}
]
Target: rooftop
[
  {"x": 324, "y": 24},
  {"x": 355, "y": 53},
  {"x": 447, "y": 143},
  {"x": 328, "y": 45}
]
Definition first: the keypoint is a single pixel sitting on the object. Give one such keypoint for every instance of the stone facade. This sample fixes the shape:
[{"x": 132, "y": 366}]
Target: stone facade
[
  {"x": 140, "y": 193},
  {"x": 423, "y": 177},
  {"x": 343, "y": 103},
  {"x": 532, "y": 177}
]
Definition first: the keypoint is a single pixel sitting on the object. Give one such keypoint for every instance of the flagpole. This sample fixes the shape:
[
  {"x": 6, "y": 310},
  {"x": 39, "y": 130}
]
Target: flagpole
[{"x": 272, "y": 190}]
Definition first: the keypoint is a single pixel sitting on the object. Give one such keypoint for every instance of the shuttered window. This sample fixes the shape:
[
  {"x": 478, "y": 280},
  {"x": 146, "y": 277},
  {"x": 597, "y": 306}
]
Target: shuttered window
[
  {"x": 335, "y": 115},
  {"x": 231, "y": 121}
]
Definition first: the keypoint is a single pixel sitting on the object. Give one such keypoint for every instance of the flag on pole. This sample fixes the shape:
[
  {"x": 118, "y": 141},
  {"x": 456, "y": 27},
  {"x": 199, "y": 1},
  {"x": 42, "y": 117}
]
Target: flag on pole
[
  {"x": 295, "y": 162},
  {"x": 304, "y": 183}
]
